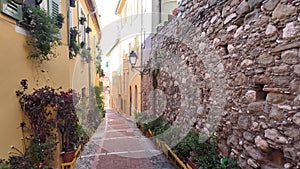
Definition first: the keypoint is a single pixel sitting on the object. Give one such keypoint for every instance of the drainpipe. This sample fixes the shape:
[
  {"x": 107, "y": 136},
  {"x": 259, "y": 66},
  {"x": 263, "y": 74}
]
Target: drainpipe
[
  {"x": 141, "y": 47},
  {"x": 89, "y": 64},
  {"x": 159, "y": 10}
]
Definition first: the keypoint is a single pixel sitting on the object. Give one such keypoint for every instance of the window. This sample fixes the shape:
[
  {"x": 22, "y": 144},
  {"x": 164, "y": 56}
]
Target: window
[
  {"x": 136, "y": 97},
  {"x": 83, "y": 92},
  {"x": 11, "y": 9},
  {"x": 54, "y": 9}
]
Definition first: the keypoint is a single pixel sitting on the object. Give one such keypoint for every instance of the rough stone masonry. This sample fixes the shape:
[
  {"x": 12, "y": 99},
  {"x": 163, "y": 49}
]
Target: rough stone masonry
[{"x": 243, "y": 57}]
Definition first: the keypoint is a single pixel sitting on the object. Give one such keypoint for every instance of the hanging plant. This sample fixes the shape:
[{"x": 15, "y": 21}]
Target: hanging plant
[
  {"x": 72, "y": 3},
  {"x": 88, "y": 30},
  {"x": 43, "y": 30},
  {"x": 60, "y": 20},
  {"x": 73, "y": 49},
  {"x": 82, "y": 20},
  {"x": 73, "y": 46},
  {"x": 73, "y": 33},
  {"x": 82, "y": 44},
  {"x": 86, "y": 54}
]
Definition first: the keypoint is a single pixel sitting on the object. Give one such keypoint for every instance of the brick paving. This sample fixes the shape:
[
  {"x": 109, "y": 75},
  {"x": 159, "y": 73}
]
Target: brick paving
[{"x": 118, "y": 144}]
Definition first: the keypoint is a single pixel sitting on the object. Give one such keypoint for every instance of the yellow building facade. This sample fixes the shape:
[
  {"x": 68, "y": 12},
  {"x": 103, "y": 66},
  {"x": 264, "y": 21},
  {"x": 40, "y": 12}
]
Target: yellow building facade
[
  {"x": 137, "y": 20},
  {"x": 69, "y": 73},
  {"x": 125, "y": 95}
]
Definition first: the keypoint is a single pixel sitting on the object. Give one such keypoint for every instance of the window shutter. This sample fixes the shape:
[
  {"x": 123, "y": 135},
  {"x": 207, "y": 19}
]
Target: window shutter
[
  {"x": 12, "y": 9},
  {"x": 54, "y": 10},
  {"x": 54, "y": 7}
]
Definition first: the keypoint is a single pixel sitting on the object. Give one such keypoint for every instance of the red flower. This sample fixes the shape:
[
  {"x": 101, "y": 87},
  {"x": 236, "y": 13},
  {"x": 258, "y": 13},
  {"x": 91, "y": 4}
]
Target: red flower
[{"x": 41, "y": 164}]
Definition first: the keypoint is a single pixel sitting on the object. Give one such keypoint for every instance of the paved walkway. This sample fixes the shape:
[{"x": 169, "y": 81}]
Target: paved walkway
[{"x": 118, "y": 144}]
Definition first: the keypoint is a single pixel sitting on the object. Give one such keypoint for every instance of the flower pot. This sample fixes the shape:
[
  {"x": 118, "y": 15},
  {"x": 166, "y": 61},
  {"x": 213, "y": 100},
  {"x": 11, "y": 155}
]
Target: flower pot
[
  {"x": 82, "y": 44},
  {"x": 88, "y": 30},
  {"x": 73, "y": 36},
  {"x": 68, "y": 156},
  {"x": 59, "y": 24},
  {"x": 72, "y": 3},
  {"x": 81, "y": 22}
]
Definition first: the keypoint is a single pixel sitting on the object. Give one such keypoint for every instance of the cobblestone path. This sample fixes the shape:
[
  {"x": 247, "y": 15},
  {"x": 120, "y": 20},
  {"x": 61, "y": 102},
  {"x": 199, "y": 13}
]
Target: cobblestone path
[{"x": 118, "y": 144}]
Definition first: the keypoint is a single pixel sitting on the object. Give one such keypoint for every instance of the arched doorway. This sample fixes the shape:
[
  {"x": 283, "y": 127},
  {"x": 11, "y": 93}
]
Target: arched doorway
[
  {"x": 135, "y": 98},
  {"x": 130, "y": 101}
]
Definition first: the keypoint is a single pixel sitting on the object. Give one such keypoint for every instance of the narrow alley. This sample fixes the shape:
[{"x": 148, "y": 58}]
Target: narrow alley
[{"x": 119, "y": 144}]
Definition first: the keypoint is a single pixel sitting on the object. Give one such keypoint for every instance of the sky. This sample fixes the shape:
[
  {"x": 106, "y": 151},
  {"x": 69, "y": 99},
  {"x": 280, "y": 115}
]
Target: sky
[
  {"x": 109, "y": 23},
  {"x": 107, "y": 11},
  {"x": 109, "y": 27}
]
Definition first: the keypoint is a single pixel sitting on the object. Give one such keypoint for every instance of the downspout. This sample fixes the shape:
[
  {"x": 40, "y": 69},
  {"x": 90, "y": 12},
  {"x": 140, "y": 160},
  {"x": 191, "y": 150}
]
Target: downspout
[
  {"x": 89, "y": 64},
  {"x": 142, "y": 42},
  {"x": 159, "y": 10}
]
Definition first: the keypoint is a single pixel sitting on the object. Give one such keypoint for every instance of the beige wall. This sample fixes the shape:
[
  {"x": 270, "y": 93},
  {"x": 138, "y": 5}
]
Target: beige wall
[
  {"x": 129, "y": 84},
  {"x": 15, "y": 66}
]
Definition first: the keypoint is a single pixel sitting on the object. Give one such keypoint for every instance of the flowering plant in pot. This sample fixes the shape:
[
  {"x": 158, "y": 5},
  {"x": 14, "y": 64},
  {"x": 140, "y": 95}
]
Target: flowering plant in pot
[
  {"x": 82, "y": 20},
  {"x": 38, "y": 109},
  {"x": 72, "y": 3},
  {"x": 73, "y": 33},
  {"x": 67, "y": 122},
  {"x": 60, "y": 20},
  {"x": 88, "y": 30}
]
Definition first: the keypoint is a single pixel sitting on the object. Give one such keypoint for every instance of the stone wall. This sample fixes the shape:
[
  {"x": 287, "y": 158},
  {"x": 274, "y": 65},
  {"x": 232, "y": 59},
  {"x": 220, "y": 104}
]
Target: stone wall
[{"x": 235, "y": 65}]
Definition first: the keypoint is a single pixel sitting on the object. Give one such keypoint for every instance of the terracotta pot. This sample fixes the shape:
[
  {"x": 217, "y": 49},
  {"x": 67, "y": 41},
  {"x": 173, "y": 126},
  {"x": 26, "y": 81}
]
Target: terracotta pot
[{"x": 69, "y": 156}]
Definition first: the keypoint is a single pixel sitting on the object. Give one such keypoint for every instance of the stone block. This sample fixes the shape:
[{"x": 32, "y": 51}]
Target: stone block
[
  {"x": 290, "y": 56},
  {"x": 243, "y": 8},
  {"x": 280, "y": 70},
  {"x": 254, "y": 153},
  {"x": 297, "y": 69},
  {"x": 282, "y": 11},
  {"x": 256, "y": 107},
  {"x": 270, "y": 5},
  {"x": 271, "y": 30},
  {"x": 277, "y": 98},
  {"x": 281, "y": 81},
  {"x": 276, "y": 113},
  {"x": 229, "y": 18},
  {"x": 244, "y": 122},
  {"x": 261, "y": 143},
  {"x": 296, "y": 118},
  {"x": 265, "y": 59},
  {"x": 289, "y": 31}
]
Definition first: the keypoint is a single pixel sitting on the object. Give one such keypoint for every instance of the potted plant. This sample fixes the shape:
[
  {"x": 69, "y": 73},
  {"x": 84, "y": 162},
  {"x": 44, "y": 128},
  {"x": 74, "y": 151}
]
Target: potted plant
[
  {"x": 67, "y": 122},
  {"x": 82, "y": 44},
  {"x": 37, "y": 108},
  {"x": 86, "y": 54},
  {"x": 60, "y": 20},
  {"x": 41, "y": 26},
  {"x": 82, "y": 20},
  {"x": 73, "y": 33},
  {"x": 72, "y": 3},
  {"x": 88, "y": 30},
  {"x": 73, "y": 49}
]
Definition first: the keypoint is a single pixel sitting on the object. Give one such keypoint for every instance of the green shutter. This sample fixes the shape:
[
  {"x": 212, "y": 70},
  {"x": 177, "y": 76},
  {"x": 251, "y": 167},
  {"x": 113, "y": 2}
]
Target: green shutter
[
  {"x": 54, "y": 10},
  {"x": 54, "y": 7},
  {"x": 12, "y": 9}
]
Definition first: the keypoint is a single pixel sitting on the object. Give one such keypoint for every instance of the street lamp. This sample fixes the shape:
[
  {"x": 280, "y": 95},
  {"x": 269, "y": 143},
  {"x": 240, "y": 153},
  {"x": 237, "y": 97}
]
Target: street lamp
[{"x": 132, "y": 58}]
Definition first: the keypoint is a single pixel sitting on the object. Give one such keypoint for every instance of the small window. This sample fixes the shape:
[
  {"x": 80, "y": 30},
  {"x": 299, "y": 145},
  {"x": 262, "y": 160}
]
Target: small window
[
  {"x": 261, "y": 95},
  {"x": 83, "y": 92},
  {"x": 11, "y": 9}
]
